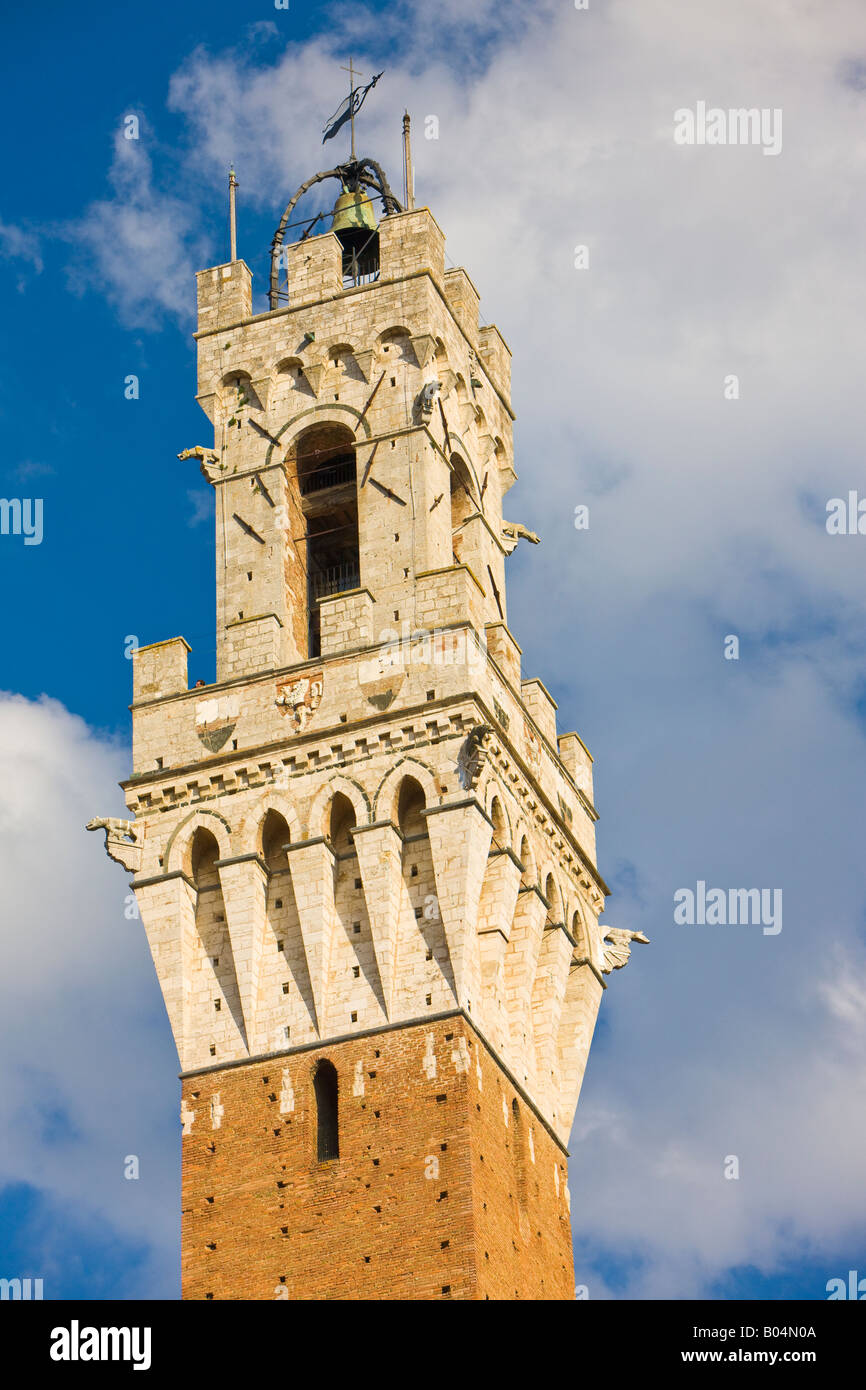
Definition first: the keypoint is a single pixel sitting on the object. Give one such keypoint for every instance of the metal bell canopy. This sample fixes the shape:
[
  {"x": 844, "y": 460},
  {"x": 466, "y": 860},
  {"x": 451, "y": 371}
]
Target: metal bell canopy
[{"x": 354, "y": 217}]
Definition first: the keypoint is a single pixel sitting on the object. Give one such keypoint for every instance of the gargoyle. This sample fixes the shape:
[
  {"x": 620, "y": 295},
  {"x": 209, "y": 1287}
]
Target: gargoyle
[
  {"x": 617, "y": 947},
  {"x": 209, "y": 460},
  {"x": 120, "y": 844},
  {"x": 428, "y": 398},
  {"x": 512, "y": 532},
  {"x": 471, "y": 756}
]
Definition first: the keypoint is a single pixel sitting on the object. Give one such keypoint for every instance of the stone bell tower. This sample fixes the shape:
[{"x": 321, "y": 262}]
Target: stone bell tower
[{"x": 364, "y": 857}]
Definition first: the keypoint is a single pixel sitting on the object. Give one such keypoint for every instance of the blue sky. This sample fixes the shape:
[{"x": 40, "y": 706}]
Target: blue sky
[{"x": 707, "y": 518}]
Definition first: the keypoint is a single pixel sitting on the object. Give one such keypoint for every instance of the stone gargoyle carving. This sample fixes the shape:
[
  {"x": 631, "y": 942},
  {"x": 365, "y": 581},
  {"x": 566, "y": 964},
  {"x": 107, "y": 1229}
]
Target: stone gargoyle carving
[
  {"x": 427, "y": 399},
  {"x": 209, "y": 461},
  {"x": 120, "y": 842},
  {"x": 470, "y": 758},
  {"x": 512, "y": 532},
  {"x": 617, "y": 947}
]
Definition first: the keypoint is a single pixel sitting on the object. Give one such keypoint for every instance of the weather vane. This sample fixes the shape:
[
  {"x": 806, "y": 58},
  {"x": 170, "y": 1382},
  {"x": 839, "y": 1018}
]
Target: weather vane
[{"x": 350, "y": 106}]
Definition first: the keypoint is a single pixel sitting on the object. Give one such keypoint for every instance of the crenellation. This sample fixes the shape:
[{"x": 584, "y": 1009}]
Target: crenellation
[
  {"x": 224, "y": 295},
  {"x": 160, "y": 669},
  {"x": 464, "y": 300}
]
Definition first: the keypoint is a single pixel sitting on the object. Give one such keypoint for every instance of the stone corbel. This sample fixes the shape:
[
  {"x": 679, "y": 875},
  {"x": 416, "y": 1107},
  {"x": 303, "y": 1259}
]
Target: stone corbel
[
  {"x": 261, "y": 387},
  {"x": 424, "y": 347},
  {"x": 314, "y": 372},
  {"x": 449, "y": 381},
  {"x": 365, "y": 362},
  {"x": 486, "y": 449}
]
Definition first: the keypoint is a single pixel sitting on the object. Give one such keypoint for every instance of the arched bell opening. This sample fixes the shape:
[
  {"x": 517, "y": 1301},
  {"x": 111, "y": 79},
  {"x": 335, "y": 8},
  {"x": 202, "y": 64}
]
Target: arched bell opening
[
  {"x": 357, "y": 231},
  {"x": 326, "y": 468}
]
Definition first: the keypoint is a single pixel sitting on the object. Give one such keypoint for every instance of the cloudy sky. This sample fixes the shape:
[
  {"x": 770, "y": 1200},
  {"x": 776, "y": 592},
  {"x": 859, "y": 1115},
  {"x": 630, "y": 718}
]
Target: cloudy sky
[{"x": 707, "y": 519}]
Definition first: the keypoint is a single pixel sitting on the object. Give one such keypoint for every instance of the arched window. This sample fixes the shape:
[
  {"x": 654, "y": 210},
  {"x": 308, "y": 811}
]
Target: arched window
[
  {"x": 325, "y": 462},
  {"x": 500, "y": 826},
  {"x": 204, "y": 856},
  {"x": 463, "y": 503},
  {"x": 215, "y": 1017},
  {"x": 327, "y": 1120},
  {"x": 422, "y": 951},
  {"x": 275, "y": 837},
  {"x": 551, "y": 893},
  {"x": 528, "y": 875},
  {"x": 410, "y": 807},
  {"x": 577, "y": 931},
  {"x": 342, "y": 820}
]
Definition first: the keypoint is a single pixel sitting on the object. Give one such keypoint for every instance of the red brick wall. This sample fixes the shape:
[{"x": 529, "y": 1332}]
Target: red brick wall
[
  {"x": 427, "y": 1199},
  {"x": 521, "y": 1218}
]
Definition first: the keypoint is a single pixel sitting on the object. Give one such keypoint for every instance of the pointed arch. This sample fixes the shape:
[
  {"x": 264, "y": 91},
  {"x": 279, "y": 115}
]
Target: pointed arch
[
  {"x": 464, "y": 483},
  {"x": 341, "y": 821},
  {"x": 495, "y": 804},
  {"x": 353, "y": 960},
  {"x": 526, "y": 855},
  {"x": 422, "y": 949},
  {"x": 318, "y": 822},
  {"x": 411, "y": 805},
  {"x": 250, "y": 830},
  {"x": 521, "y": 960},
  {"x": 178, "y": 850},
  {"x": 580, "y": 930},
  {"x": 496, "y": 911},
  {"x": 553, "y": 894},
  {"x": 387, "y": 793},
  {"x": 213, "y": 1007},
  {"x": 285, "y": 991}
]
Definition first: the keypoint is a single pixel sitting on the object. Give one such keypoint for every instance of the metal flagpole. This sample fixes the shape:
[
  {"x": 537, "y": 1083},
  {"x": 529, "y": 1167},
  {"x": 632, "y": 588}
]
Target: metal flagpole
[
  {"x": 233, "y": 231},
  {"x": 352, "y": 75}
]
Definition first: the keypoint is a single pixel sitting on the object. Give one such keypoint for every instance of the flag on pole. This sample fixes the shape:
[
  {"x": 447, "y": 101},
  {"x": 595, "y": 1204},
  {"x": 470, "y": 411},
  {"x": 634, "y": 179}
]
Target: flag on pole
[{"x": 348, "y": 108}]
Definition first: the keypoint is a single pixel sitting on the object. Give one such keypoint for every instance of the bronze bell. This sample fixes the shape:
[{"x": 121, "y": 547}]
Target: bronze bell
[{"x": 353, "y": 212}]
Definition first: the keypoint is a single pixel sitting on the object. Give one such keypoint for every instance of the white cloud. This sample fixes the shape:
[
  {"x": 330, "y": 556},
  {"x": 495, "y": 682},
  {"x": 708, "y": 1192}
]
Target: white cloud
[
  {"x": 202, "y": 504},
  {"x": 140, "y": 247},
  {"x": 19, "y": 243},
  {"x": 34, "y": 468},
  {"x": 88, "y": 1073}
]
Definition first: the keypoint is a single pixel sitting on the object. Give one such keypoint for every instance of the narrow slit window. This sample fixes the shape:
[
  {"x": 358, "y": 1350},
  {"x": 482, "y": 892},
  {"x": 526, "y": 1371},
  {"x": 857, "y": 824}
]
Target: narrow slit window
[{"x": 327, "y": 1128}]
